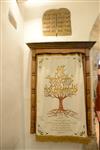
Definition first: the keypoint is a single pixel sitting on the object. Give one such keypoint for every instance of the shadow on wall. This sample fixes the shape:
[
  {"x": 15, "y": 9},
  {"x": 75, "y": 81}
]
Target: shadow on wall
[
  {"x": 95, "y": 53},
  {"x": 95, "y": 57}
]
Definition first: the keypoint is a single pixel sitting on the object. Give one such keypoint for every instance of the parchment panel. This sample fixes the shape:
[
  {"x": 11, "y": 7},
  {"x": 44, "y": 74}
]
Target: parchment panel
[{"x": 63, "y": 75}]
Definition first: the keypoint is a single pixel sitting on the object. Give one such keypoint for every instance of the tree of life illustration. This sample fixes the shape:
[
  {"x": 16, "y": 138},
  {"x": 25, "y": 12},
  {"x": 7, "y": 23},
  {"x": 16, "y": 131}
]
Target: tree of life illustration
[{"x": 60, "y": 86}]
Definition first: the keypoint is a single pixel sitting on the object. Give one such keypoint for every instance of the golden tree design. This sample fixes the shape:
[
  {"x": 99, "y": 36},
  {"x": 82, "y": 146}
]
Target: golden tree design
[{"x": 60, "y": 86}]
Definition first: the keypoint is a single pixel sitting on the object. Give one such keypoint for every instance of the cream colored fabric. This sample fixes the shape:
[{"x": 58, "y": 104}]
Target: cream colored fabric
[{"x": 60, "y": 96}]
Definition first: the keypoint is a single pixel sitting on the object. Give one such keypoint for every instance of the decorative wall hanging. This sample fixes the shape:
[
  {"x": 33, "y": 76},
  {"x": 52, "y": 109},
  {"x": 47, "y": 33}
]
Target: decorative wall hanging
[
  {"x": 57, "y": 22},
  {"x": 61, "y": 98}
]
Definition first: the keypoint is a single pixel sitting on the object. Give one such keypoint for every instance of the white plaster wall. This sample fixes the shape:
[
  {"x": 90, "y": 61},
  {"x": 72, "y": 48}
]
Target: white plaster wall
[
  {"x": 15, "y": 108},
  {"x": 12, "y": 96},
  {"x": 83, "y": 15},
  {"x": 16, "y": 72}
]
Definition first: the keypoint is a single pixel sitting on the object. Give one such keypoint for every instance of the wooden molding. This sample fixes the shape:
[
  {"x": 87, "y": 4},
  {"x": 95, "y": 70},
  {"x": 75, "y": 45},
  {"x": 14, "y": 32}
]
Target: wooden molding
[{"x": 62, "y": 45}]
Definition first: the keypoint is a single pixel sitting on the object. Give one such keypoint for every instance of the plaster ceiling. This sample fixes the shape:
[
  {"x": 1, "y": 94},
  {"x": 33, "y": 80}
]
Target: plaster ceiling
[{"x": 28, "y": 7}]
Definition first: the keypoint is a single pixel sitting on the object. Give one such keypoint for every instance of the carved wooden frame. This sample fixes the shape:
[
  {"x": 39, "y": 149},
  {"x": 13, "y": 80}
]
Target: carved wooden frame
[{"x": 62, "y": 48}]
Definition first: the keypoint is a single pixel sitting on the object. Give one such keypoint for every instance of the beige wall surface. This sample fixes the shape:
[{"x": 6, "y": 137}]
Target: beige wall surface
[
  {"x": 12, "y": 96},
  {"x": 16, "y": 73}
]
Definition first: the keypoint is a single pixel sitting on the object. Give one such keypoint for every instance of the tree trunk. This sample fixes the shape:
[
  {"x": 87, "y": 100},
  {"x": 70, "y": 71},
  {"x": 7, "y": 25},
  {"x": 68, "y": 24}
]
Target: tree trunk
[{"x": 61, "y": 104}]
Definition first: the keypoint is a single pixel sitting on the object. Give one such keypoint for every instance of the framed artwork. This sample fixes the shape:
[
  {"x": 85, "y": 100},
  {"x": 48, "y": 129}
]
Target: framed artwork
[
  {"x": 61, "y": 98},
  {"x": 57, "y": 22}
]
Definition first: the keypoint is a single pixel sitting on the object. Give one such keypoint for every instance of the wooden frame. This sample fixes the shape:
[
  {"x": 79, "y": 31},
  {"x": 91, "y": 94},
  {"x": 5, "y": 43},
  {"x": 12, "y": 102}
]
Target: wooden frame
[{"x": 62, "y": 48}]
